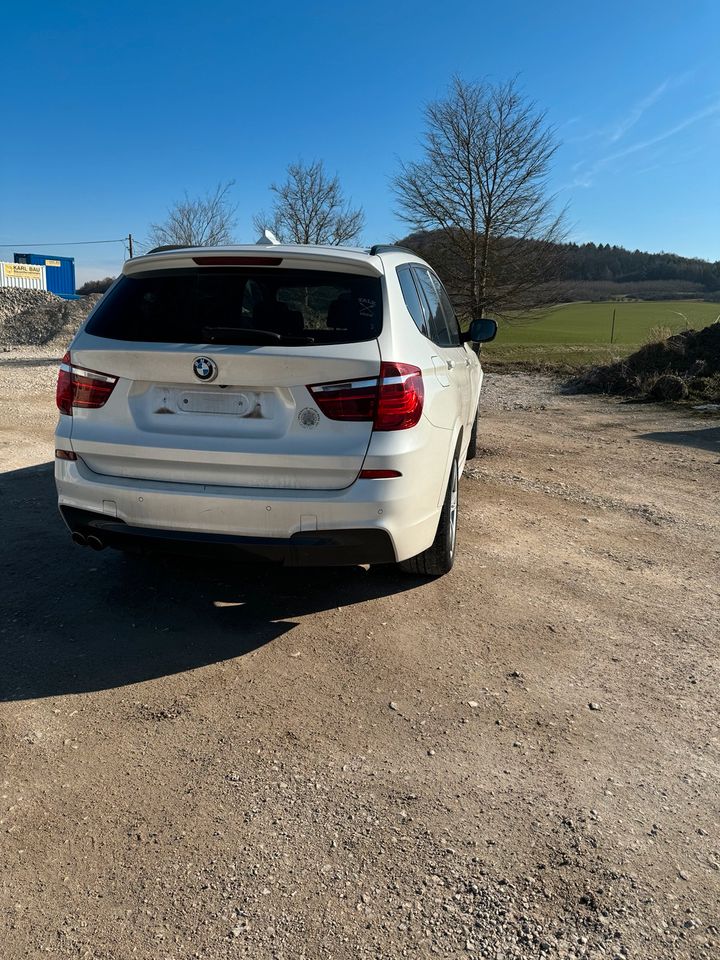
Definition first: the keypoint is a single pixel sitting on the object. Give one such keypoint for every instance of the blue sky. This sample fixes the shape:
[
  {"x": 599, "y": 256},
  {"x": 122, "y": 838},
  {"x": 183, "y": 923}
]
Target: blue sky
[{"x": 111, "y": 111}]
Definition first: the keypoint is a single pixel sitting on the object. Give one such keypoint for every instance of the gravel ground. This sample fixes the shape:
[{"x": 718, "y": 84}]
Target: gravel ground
[{"x": 519, "y": 760}]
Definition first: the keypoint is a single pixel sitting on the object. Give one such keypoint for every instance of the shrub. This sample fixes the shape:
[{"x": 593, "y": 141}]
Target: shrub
[
  {"x": 95, "y": 286},
  {"x": 669, "y": 387}
]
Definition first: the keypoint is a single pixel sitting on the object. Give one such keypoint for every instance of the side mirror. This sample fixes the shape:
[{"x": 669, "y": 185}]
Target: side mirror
[{"x": 481, "y": 331}]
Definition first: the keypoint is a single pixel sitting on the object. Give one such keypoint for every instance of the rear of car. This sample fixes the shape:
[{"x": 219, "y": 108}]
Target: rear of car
[{"x": 265, "y": 400}]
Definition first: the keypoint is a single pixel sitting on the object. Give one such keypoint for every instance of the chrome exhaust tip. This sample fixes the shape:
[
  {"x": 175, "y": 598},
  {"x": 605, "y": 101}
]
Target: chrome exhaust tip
[
  {"x": 79, "y": 538},
  {"x": 95, "y": 543}
]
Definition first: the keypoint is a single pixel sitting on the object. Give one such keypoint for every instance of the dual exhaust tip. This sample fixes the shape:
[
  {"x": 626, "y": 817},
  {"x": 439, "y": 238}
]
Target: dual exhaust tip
[{"x": 95, "y": 543}]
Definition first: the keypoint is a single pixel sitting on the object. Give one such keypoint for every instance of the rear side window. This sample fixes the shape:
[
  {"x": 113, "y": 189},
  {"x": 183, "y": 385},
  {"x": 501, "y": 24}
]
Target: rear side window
[
  {"x": 208, "y": 304},
  {"x": 447, "y": 308},
  {"x": 412, "y": 300},
  {"x": 440, "y": 333}
]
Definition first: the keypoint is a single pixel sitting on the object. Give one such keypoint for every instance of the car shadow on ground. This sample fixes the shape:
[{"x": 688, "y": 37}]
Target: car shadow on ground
[
  {"x": 706, "y": 439},
  {"x": 76, "y": 621}
]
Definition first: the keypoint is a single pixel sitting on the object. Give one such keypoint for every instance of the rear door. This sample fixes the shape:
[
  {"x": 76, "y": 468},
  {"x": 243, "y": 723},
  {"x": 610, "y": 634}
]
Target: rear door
[
  {"x": 451, "y": 367},
  {"x": 213, "y": 368},
  {"x": 464, "y": 359}
]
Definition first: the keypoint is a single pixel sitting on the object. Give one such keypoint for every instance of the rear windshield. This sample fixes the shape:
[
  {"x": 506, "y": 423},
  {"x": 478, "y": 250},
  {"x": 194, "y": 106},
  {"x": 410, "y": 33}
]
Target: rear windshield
[{"x": 235, "y": 305}]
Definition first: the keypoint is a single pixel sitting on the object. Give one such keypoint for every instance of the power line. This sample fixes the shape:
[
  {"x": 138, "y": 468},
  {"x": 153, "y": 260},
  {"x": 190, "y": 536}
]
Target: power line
[{"x": 65, "y": 243}]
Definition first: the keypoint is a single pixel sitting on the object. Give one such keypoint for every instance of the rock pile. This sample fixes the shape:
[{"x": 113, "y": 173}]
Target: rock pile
[{"x": 38, "y": 317}]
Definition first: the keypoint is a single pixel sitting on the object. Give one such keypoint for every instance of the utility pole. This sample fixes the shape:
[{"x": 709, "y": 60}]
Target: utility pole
[
  {"x": 612, "y": 332},
  {"x": 130, "y": 246}
]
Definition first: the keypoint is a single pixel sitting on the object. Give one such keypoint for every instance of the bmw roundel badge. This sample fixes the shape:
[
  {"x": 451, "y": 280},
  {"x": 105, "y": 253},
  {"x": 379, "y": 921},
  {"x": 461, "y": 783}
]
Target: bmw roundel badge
[{"x": 205, "y": 369}]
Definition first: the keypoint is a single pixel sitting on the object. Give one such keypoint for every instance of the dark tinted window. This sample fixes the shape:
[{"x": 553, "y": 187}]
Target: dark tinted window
[
  {"x": 437, "y": 322},
  {"x": 447, "y": 308},
  {"x": 181, "y": 306},
  {"x": 412, "y": 300}
]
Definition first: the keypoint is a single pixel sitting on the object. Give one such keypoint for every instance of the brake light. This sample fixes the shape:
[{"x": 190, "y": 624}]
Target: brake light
[
  {"x": 392, "y": 401},
  {"x": 77, "y": 387},
  {"x": 215, "y": 261}
]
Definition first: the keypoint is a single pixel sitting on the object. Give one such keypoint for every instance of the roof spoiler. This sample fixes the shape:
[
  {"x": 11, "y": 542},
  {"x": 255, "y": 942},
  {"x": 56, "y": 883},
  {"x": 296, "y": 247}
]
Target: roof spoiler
[
  {"x": 171, "y": 246},
  {"x": 389, "y": 248}
]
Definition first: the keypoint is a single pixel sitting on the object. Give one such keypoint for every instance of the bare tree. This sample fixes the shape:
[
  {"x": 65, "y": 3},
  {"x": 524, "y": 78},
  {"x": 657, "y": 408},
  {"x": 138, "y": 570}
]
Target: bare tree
[
  {"x": 198, "y": 221},
  {"x": 482, "y": 189},
  {"x": 309, "y": 207}
]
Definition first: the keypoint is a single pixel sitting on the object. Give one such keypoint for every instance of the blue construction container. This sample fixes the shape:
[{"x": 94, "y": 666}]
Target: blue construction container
[{"x": 60, "y": 272}]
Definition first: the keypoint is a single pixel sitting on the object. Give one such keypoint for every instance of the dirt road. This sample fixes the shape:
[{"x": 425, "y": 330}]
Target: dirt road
[{"x": 518, "y": 760}]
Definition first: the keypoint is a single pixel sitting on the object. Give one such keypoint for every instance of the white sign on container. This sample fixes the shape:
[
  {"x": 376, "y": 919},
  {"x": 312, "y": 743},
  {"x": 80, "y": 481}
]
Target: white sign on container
[{"x": 27, "y": 276}]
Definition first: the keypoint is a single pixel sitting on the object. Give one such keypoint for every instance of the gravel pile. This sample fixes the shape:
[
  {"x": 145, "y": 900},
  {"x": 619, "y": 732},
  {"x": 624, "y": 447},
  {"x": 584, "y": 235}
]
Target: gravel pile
[
  {"x": 14, "y": 300},
  {"x": 37, "y": 317}
]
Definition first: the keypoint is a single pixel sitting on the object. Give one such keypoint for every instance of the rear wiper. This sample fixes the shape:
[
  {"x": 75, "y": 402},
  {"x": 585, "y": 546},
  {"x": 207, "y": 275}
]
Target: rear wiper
[{"x": 250, "y": 336}]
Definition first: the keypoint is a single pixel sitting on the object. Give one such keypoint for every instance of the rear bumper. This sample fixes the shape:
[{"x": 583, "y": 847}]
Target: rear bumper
[
  {"x": 372, "y": 521},
  {"x": 319, "y": 548}
]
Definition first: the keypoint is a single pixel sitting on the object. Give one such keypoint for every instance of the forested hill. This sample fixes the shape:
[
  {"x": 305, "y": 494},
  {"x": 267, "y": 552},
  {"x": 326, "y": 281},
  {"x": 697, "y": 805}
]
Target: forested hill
[
  {"x": 599, "y": 271},
  {"x": 591, "y": 261}
]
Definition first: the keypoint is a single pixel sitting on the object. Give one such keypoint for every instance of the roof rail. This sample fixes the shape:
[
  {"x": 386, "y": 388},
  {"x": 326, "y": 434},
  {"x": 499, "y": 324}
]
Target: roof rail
[{"x": 389, "y": 248}]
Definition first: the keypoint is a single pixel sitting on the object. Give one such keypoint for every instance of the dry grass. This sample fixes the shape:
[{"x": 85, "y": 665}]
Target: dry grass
[{"x": 657, "y": 334}]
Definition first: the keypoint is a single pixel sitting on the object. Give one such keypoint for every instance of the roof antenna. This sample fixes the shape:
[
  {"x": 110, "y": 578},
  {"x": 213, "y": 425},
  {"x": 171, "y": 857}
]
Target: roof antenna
[{"x": 268, "y": 239}]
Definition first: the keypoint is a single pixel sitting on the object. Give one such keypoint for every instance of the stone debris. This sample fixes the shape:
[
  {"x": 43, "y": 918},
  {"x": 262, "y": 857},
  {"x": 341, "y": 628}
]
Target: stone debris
[{"x": 37, "y": 317}]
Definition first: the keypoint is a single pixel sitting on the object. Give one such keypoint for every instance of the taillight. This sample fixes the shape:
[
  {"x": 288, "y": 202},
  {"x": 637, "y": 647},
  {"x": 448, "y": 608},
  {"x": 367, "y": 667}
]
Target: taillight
[
  {"x": 63, "y": 393},
  {"x": 400, "y": 397},
  {"x": 392, "y": 401},
  {"x": 347, "y": 399},
  {"x": 77, "y": 387}
]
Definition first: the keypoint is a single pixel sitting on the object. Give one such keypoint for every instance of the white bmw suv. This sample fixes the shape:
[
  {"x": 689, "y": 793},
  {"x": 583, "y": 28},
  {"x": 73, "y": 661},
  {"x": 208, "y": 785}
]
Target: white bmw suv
[{"x": 307, "y": 405}]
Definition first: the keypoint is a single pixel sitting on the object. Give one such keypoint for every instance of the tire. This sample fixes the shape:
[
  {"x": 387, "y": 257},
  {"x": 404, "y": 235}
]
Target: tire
[
  {"x": 438, "y": 559},
  {"x": 472, "y": 446}
]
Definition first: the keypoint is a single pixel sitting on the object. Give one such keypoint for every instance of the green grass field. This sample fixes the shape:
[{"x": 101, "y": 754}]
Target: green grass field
[{"x": 572, "y": 335}]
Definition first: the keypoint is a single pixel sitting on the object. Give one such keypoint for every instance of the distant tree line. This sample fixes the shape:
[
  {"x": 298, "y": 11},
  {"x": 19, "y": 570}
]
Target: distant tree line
[
  {"x": 587, "y": 271},
  {"x": 601, "y": 261},
  {"x": 95, "y": 286},
  {"x": 569, "y": 291}
]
